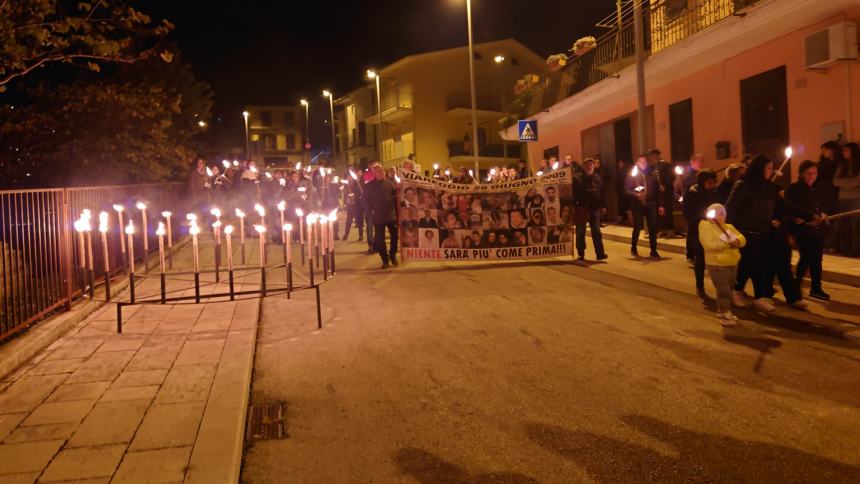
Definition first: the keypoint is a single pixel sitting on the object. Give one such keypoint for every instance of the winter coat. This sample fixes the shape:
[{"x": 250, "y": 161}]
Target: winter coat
[{"x": 717, "y": 250}]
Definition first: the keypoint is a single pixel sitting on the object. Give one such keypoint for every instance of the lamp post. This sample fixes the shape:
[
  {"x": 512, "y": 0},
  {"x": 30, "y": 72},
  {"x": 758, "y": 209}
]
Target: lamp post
[
  {"x": 472, "y": 86},
  {"x": 245, "y": 115},
  {"x": 166, "y": 214},
  {"x": 103, "y": 229},
  {"x": 307, "y": 105},
  {"x": 373, "y": 75},
  {"x": 119, "y": 209},
  {"x": 328, "y": 94},
  {"x": 142, "y": 207}
]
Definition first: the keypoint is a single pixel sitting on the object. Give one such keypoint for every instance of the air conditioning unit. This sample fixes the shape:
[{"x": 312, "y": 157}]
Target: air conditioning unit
[{"x": 826, "y": 47}]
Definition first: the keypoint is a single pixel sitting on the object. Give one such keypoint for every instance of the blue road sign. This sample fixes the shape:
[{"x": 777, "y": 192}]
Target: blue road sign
[{"x": 528, "y": 130}]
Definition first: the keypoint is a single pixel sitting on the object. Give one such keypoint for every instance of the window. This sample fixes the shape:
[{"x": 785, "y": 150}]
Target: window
[
  {"x": 362, "y": 133},
  {"x": 266, "y": 118},
  {"x": 675, "y": 9},
  {"x": 289, "y": 119},
  {"x": 550, "y": 152},
  {"x": 291, "y": 141},
  {"x": 681, "y": 130},
  {"x": 282, "y": 142},
  {"x": 269, "y": 142}
]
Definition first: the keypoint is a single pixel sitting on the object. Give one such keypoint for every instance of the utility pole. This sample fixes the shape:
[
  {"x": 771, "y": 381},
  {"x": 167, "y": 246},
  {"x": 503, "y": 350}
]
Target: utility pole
[
  {"x": 472, "y": 86},
  {"x": 639, "y": 33}
]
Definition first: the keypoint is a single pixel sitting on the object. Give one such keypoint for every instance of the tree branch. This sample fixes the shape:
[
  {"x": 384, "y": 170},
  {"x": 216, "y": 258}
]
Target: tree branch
[{"x": 72, "y": 57}]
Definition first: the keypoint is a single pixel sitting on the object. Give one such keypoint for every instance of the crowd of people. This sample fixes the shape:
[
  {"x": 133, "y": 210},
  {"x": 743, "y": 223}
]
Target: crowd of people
[{"x": 741, "y": 229}]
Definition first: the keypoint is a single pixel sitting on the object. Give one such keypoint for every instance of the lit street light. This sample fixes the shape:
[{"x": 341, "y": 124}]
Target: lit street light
[
  {"x": 499, "y": 59},
  {"x": 373, "y": 75},
  {"x": 245, "y": 115},
  {"x": 306, "y": 104},
  {"x": 328, "y": 94}
]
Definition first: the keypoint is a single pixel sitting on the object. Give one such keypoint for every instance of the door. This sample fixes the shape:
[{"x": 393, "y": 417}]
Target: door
[
  {"x": 681, "y": 130},
  {"x": 623, "y": 140},
  {"x": 764, "y": 116}
]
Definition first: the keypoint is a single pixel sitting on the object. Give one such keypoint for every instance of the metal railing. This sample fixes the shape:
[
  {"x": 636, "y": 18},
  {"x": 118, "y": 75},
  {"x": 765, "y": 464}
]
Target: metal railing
[
  {"x": 666, "y": 22},
  {"x": 39, "y": 249}
]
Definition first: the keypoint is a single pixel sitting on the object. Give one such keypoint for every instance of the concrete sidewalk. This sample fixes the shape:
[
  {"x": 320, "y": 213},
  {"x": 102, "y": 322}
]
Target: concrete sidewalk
[
  {"x": 839, "y": 269},
  {"x": 163, "y": 402}
]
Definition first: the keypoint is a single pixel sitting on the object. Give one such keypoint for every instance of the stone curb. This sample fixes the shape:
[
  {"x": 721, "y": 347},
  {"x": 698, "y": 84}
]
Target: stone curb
[
  {"x": 43, "y": 334},
  {"x": 827, "y": 275}
]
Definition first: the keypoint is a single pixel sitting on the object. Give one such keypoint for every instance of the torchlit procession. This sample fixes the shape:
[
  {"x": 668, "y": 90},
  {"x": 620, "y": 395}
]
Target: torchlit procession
[{"x": 436, "y": 241}]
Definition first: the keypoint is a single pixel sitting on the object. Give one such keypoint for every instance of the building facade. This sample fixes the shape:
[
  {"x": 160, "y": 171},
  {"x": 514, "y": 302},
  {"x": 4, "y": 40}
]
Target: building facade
[
  {"x": 723, "y": 78},
  {"x": 426, "y": 108},
  {"x": 275, "y": 134}
]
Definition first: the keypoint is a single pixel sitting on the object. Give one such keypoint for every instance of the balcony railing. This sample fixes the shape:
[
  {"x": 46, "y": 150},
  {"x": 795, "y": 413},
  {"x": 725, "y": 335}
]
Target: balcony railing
[{"x": 666, "y": 22}]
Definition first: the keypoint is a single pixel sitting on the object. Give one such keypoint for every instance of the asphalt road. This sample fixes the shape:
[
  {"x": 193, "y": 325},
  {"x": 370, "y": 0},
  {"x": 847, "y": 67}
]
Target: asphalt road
[{"x": 553, "y": 372}]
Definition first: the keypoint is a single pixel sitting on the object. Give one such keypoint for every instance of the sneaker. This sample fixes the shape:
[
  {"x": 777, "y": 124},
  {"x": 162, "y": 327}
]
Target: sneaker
[
  {"x": 799, "y": 305},
  {"x": 727, "y": 319},
  {"x": 394, "y": 261},
  {"x": 654, "y": 255},
  {"x": 634, "y": 252},
  {"x": 602, "y": 257},
  {"x": 819, "y": 294},
  {"x": 384, "y": 265},
  {"x": 580, "y": 258},
  {"x": 763, "y": 304},
  {"x": 740, "y": 300},
  {"x": 700, "y": 291}
]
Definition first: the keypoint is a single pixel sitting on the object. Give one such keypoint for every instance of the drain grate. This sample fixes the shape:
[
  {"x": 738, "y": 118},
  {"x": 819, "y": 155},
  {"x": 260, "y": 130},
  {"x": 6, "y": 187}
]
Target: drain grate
[{"x": 267, "y": 422}]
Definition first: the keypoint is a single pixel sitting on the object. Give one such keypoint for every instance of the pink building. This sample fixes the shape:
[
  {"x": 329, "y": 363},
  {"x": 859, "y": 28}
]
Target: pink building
[{"x": 723, "y": 78}]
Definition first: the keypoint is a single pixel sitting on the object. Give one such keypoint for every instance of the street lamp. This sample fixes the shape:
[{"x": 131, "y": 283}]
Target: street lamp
[
  {"x": 499, "y": 59},
  {"x": 328, "y": 94},
  {"x": 245, "y": 115},
  {"x": 306, "y": 104},
  {"x": 373, "y": 75},
  {"x": 472, "y": 83}
]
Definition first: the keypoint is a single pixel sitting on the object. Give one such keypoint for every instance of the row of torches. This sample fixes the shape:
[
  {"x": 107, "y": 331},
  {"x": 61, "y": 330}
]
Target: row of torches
[{"x": 316, "y": 241}]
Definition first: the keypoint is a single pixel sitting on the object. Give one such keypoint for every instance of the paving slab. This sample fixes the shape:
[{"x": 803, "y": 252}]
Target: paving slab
[
  {"x": 187, "y": 383},
  {"x": 110, "y": 423},
  {"x": 9, "y": 421},
  {"x": 135, "y": 378},
  {"x": 173, "y": 425},
  {"x": 42, "y": 432},
  {"x": 101, "y": 367},
  {"x": 59, "y": 412},
  {"x": 56, "y": 367},
  {"x": 78, "y": 391},
  {"x": 84, "y": 463},
  {"x": 27, "y": 393},
  {"x": 27, "y": 457},
  {"x": 130, "y": 393},
  {"x": 137, "y": 467}
]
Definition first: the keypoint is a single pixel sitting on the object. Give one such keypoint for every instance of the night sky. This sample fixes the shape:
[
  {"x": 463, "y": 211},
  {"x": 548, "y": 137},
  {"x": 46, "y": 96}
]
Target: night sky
[{"x": 259, "y": 52}]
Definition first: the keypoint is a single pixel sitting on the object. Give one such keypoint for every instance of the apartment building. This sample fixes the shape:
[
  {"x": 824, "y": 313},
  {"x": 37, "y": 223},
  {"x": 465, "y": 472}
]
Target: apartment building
[
  {"x": 275, "y": 134},
  {"x": 426, "y": 107}
]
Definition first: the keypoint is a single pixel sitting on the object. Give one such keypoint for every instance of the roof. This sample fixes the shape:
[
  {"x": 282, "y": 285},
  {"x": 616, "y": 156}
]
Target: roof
[{"x": 525, "y": 53}]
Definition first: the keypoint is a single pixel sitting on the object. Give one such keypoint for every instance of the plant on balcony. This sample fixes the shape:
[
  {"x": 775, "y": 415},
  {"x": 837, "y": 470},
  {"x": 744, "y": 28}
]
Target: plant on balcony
[
  {"x": 583, "y": 45},
  {"x": 528, "y": 82},
  {"x": 556, "y": 61}
]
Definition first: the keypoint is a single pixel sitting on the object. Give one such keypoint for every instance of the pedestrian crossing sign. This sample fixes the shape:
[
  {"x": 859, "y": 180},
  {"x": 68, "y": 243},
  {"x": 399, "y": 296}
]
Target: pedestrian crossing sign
[{"x": 528, "y": 130}]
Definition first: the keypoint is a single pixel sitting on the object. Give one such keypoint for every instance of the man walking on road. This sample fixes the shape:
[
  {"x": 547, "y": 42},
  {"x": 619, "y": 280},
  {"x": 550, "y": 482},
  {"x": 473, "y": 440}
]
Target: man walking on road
[
  {"x": 589, "y": 208},
  {"x": 381, "y": 199}
]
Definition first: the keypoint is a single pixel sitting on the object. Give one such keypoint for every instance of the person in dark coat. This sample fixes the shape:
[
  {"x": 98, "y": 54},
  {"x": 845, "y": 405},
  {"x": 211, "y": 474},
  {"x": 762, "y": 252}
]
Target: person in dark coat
[
  {"x": 354, "y": 206},
  {"x": 815, "y": 199},
  {"x": 666, "y": 182},
  {"x": 697, "y": 199},
  {"x": 646, "y": 203},
  {"x": 590, "y": 207},
  {"x": 381, "y": 199},
  {"x": 733, "y": 173},
  {"x": 751, "y": 208}
]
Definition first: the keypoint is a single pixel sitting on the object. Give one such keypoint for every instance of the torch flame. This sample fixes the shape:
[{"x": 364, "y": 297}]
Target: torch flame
[
  {"x": 166, "y": 214},
  {"x": 323, "y": 219},
  {"x": 282, "y": 205},
  {"x": 208, "y": 171},
  {"x": 140, "y": 206},
  {"x": 79, "y": 225},
  {"x": 312, "y": 218},
  {"x": 86, "y": 214},
  {"x": 228, "y": 229},
  {"x": 492, "y": 172},
  {"x": 539, "y": 173},
  {"x": 260, "y": 229},
  {"x": 194, "y": 229},
  {"x": 303, "y": 189},
  {"x": 789, "y": 152},
  {"x": 240, "y": 213},
  {"x": 191, "y": 217},
  {"x": 447, "y": 172},
  {"x": 288, "y": 227},
  {"x": 129, "y": 229},
  {"x": 333, "y": 214},
  {"x": 226, "y": 164},
  {"x": 160, "y": 230},
  {"x": 299, "y": 165},
  {"x": 396, "y": 178},
  {"x": 118, "y": 208},
  {"x": 260, "y": 210},
  {"x": 235, "y": 162},
  {"x": 103, "y": 221},
  {"x": 216, "y": 212},
  {"x": 268, "y": 175},
  {"x": 635, "y": 171},
  {"x": 679, "y": 170},
  {"x": 471, "y": 173},
  {"x": 435, "y": 166},
  {"x": 283, "y": 182},
  {"x": 299, "y": 212},
  {"x": 216, "y": 224},
  {"x": 555, "y": 166},
  {"x": 712, "y": 214},
  {"x": 353, "y": 175}
]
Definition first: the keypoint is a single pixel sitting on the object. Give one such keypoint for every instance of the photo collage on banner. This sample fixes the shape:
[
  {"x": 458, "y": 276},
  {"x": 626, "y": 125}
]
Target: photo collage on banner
[{"x": 519, "y": 219}]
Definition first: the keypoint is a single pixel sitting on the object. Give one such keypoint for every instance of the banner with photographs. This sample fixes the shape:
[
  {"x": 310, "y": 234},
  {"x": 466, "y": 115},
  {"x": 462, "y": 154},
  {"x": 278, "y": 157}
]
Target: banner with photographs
[{"x": 528, "y": 218}]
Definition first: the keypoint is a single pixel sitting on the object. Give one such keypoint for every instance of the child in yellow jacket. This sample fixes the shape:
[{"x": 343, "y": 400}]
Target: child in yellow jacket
[{"x": 721, "y": 242}]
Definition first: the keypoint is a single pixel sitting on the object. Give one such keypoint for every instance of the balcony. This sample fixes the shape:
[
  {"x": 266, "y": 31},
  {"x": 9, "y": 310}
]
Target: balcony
[
  {"x": 666, "y": 23},
  {"x": 460, "y": 104},
  {"x": 457, "y": 149}
]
